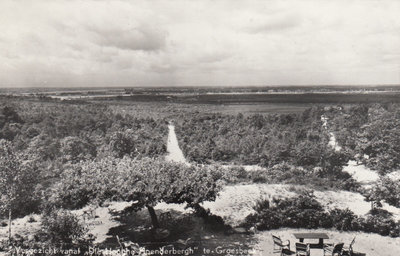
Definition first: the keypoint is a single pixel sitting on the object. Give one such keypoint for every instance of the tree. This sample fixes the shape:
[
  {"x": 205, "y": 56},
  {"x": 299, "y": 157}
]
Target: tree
[
  {"x": 161, "y": 181},
  {"x": 75, "y": 149},
  {"x": 146, "y": 181},
  {"x": 16, "y": 180}
]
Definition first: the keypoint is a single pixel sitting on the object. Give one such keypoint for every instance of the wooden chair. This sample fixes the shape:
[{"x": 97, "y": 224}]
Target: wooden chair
[
  {"x": 348, "y": 250},
  {"x": 302, "y": 249},
  {"x": 333, "y": 249},
  {"x": 280, "y": 247}
]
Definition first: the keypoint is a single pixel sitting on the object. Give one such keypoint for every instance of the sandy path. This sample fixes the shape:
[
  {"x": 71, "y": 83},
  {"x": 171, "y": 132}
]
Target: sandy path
[
  {"x": 175, "y": 154},
  {"x": 332, "y": 139},
  {"x": 360, "y": 172}
]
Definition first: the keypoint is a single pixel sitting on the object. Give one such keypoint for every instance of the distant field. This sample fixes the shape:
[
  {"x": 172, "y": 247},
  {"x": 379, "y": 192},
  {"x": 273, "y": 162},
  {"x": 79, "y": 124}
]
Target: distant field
[
  {"x": 259, "y": 108},
  {"x": 249, "y": 103},
  {"x": 253, "y": 98},
  {"x": 169, "y": 102},
  {"x": 291, "y": 98}
]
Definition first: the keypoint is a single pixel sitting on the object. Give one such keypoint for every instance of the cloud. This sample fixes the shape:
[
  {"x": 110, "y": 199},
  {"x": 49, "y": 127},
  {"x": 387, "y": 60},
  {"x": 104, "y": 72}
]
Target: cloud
[
  {"x": 179, "y": 42},
  {"x": 275, "y": 24},
  {"x": 145, "y": 38}
]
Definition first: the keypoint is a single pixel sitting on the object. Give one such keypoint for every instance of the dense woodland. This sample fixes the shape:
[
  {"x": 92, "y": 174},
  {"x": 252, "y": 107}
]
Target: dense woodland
[
  {"x": 64, "y": 155},
  {"x": 43, "y": 142},
  {"x": 257, "y": 139},
  {"x": 368, "y": 133}
]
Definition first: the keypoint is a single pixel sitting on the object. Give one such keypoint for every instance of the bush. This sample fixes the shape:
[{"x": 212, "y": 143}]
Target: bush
[
  {"x": 290, "y": 174},
  {"x": 387, "y": 190},
  {"x": 259, "y": 176},
  {"x": 62, "y": 228},
  {"x": 299, "y": 212},
  {"x": 344, "y": 219},
  {"x": 212, "y": 222},
  {"x": 380, "y": 221},
  {"x": 266, "y": 218},
  {"x": 305, "y": 212},
  {"x": 232, "y": 175},
  {"x": 286, "y": 172}
]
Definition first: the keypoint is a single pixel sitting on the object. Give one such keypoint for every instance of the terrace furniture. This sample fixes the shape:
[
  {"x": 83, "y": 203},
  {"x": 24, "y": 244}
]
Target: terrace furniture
[
  {"x": 333, "y": 249},
  {"x": 348, "y": 250},
  {"x": 302, "y": 249},
  {"x": 280, "y": 247},
  {"x": 319, "y": 236}
]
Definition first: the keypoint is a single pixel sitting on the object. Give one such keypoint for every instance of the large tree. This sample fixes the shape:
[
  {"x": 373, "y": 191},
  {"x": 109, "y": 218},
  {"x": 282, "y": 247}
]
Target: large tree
[{"x": 146, "y": 181}]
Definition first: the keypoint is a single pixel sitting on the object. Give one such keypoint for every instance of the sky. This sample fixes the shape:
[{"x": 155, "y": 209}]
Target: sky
[{"x": 71, "y": 43}]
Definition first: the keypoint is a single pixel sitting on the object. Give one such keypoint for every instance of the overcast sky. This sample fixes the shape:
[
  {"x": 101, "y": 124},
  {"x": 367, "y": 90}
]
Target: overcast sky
[{"x": 184, "y": 43}]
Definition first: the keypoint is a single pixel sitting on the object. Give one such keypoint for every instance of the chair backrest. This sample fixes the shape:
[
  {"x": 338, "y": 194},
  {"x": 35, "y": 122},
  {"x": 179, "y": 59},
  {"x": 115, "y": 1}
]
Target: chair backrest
[
  {"x": 352, "y": 242},
  {"x": 338, "y": 247},
  {"x": 300, "y": 247},
  {"x": 277, "y": 241}
]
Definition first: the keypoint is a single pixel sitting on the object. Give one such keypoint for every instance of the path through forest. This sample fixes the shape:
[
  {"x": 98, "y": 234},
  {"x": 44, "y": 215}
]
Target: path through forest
[{"x": 360, "y": 172}]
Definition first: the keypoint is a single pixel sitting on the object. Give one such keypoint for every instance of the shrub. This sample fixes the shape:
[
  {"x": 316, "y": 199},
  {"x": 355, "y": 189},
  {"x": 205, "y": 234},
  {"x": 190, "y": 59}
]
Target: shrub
[
  {"x": 305, "y": 212},
  {"x": 265, "y": 218},
  {"x": 387, "y": 190},
  {"x": 62, "y": 228},
  {"x": 212, "y": 222},
  {"x": 380, "y": 221},
  {"x": 259, "y": 176},
  {"x": 289, "y": 174},
  {"x": 286, "y": 172},
  {"x": 344, "y": 219},
  {"x": 232, "y": 175},
  {"x": 299, "y": 212}
]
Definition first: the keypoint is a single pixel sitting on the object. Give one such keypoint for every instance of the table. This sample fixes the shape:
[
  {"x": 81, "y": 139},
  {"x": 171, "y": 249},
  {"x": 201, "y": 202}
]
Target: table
[{"x": 319, "y": 236}]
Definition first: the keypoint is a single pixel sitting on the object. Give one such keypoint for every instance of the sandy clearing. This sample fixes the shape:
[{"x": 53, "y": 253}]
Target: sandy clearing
[
  {"x": 234, "y": 203},
  {"x": 351, "y": 200},
  {"x": 100, "y": 226},
  {"x": 22, "y": 226},
  {"x": 361, "y": 173},
  {"x": 174, "y": 207}
]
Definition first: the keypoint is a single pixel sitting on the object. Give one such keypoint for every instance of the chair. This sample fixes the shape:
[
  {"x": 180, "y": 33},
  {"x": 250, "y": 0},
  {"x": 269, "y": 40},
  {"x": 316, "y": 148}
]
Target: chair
[
  {"x": 333, "y": 249},
  {"x": 348, "y": 250},
  {"x": 280, "y": 247},
  {"x": 302, "y": 249}
]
